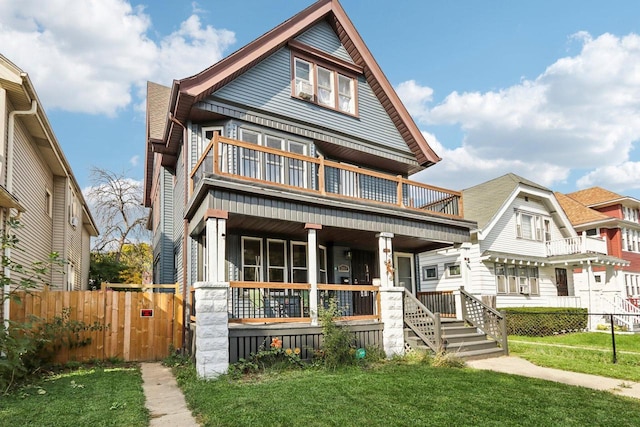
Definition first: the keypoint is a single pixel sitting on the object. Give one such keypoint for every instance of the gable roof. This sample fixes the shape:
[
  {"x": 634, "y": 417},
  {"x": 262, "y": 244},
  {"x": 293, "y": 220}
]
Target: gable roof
[
  {"x": 483, "y": 201},
  {"x": 578, "y": 213},
  {"x": 191, "y": 89},
  {"x": 157, "y": 105},
  {"x": 595, "y": 196}
]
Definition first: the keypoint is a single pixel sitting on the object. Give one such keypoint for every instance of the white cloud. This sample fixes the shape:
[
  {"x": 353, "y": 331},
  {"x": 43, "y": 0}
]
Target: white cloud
[
  {"x": 416, "y": 98},
  {"x": 583, "y": 112},
  {"x": 97, "y": 58},
  {"x": 134, "y": 160}
]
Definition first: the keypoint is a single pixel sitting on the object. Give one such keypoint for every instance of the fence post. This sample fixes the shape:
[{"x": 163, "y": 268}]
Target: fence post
[
  {"x": 212, "y": 328},
  {"x": 613, "y": 339},
  {"x": 463, "y": 305},
  {"x": 437, "y": 333},
  {"x": 503, "y": 328}
]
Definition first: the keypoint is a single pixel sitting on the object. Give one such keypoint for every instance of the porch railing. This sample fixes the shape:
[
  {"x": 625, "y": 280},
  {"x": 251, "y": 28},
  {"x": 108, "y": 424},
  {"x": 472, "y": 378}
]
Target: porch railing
[
  {"x": 443, "y": 302},
  {"x": 422, "y": 322},
  {"x": 289, "y": 302},
  {"x": 577, "y": 245},
  {"x": 624, "y": 313},
  {"x": 485, "y": 318},
  {"x": 251, "y": 162}
]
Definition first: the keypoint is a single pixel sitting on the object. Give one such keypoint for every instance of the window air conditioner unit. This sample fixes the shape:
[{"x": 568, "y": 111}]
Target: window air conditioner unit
[
  {"x": 524, "y": 289},
  {"x": 74, "y": 221},
  {"x": 304, "y": 90}
]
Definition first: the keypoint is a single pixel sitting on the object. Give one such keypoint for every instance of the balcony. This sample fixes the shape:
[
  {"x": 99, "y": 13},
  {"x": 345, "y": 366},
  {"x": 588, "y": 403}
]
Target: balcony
[
  {"x": 250, "y": 162},
  {"x": 582, "y": 244}
]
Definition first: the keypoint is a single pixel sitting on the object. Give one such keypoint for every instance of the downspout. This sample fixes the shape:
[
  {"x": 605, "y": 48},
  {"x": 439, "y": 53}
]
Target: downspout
[
  {"x": 9, "y": 187},
  {"x": 185, "y": 225}
]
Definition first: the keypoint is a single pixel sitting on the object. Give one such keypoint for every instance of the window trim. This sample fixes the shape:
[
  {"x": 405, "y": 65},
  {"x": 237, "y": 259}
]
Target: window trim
[
  {"x": 338, "y": 67},
  {"x": 425, "y": 277},
  {"x": 284, "y": 268},
  {"x": 513, "y": 280},
  {"x": 538, "y": 223},
  {"x": 306, "y": 261},
  {"x": 258, "y": 265},
  {"x": 447, "y": 269}
]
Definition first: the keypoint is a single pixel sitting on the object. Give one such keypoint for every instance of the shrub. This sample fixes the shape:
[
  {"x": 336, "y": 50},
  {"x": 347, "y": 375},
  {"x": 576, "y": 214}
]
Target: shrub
[
  {"x": 273, "y": 358},
  {"x": 338, "y": 348},
  {"x": 544, "y": 321}
]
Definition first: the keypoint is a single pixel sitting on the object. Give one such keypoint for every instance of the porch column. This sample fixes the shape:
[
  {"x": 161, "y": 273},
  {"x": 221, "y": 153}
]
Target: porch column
[
  {"x": 589, "y": 281},
  {"x": 465, "y": 267},
  {"x": 392, "y": 318},
  {"x": 216, "y": 229},
  {"x": 385, "y": 259},
  {"x": 211, "y": 302},
  {"x": 312, "y": 254},
  {"x": 212, "y": 329}
]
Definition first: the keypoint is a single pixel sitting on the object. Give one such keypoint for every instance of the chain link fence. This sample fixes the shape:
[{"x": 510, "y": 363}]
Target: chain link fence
[{"x": 548, "y": 322}]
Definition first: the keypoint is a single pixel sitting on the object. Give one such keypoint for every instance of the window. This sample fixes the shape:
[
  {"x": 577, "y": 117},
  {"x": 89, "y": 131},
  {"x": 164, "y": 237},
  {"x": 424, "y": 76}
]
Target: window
[
  {"x": 322, "y": 264},
  {"x": 251, "y": 259},
  {"x": 511, "y": 279},
  {"x": 299, "y": 262},
  {"x": 530, "y": 226},
  {"x": 250, "y": 159},
  {"x": 71, "y": 276},
  {"x": 630, "y": 214},
  {"x": 205, "y": 139},
  {"x": 453, "y": 270},
  {"x": 73, "y": 208},
  {"x": 317, "y": 83},
  {"x": 429, "y": 272},
  {"x": 276, "y": 261},
  {"x": 630, "y": 240}
]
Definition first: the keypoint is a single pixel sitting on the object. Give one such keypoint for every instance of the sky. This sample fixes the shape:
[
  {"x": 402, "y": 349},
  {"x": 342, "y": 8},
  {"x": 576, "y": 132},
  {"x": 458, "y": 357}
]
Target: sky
[{"x": 549, "y": 90}]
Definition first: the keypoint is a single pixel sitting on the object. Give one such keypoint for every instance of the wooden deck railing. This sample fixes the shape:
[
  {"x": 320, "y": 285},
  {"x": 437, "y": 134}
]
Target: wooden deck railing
[
  {"x": 443, "y": 302},
  {"x": 251, "y": 162},
  {"x": 485, "y": 318},
  {"x": 289, "y": 302}
]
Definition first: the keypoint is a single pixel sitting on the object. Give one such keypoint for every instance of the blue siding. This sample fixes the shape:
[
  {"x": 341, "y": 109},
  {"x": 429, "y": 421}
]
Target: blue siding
[
  {"x": 322, "y": 37},
  {"x": 267, "y": 87}
]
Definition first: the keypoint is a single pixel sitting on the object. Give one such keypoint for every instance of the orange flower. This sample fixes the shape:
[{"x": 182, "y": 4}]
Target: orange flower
[{"x": 276, "y": 342}]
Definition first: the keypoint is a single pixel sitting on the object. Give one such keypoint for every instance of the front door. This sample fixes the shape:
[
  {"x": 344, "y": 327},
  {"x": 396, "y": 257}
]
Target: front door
[
  {"x": 405, "y": 272},
  {"x": 561, "y": 282}
]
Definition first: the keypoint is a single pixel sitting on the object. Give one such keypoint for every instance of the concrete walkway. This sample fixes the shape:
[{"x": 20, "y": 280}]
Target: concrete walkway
[
  {"x": 518, "y": 366},
  {"x": 164, "y": 399}
]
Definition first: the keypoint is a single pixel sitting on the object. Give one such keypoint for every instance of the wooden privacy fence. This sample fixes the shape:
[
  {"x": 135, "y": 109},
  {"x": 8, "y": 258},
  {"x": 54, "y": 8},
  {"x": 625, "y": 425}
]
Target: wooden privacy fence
[{"x": 139, "y": 326}]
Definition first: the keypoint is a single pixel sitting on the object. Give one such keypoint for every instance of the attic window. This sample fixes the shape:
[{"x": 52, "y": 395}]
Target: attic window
[{"x": 319, "y": 78}]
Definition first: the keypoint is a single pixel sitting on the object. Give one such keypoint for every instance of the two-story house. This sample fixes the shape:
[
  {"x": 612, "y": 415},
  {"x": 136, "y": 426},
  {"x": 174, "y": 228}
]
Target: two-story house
[
  {"x": 615, "y": 219},
  {"x": 37, "y": 184},
  {"x": 523, "y": 252},
  {"x": 283, "y": 171}
]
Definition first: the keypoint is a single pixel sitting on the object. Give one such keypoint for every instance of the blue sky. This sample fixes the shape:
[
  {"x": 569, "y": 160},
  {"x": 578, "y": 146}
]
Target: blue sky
[{"x": 549, "y": 90}]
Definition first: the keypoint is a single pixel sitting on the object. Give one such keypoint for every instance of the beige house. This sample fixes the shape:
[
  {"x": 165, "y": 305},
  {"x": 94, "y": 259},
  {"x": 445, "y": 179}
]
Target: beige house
[{"x": 36, "y": 183}]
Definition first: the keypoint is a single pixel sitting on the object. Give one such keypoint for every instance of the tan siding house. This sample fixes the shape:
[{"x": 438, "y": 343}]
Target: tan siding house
[{"x": 37, "y": 183}]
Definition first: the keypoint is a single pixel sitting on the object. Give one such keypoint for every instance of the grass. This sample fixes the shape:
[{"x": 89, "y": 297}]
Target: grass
[
  {"x": 588, "y": 352},
  {"x": 397, "y": 393},
  {"x": 84, "y": 397}
]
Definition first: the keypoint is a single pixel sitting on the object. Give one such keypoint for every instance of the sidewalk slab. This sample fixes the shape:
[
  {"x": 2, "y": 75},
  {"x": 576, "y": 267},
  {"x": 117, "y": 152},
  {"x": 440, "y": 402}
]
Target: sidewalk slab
[
  {"x": 164, "y": 399},
  {"x": 518, "y": 366}
]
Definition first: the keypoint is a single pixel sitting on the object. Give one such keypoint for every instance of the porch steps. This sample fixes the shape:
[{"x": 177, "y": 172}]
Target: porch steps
[{"x": 464, "y": 341}]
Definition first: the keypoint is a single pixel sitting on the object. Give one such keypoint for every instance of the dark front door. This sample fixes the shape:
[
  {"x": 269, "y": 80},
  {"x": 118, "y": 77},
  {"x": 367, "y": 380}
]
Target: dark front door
[
  {"x": 363, "y": 265},
  {"x": 561, "y": 282}
]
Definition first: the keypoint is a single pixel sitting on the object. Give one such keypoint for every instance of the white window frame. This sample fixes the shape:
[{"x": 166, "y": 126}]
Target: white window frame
[
  {"x": 322, "y": 264},
  {"x": 512, "y": 281},
  {"x": 425, "y": 275},
  {"x": 331, "y": 102},
  {"x": 282, "y": 268},
  {"x": 257, "y": 263},
  {"x": 448, "y": 267},
  {"x": 535, "y": 221},
  {"x": 295, "y": 268},
  {"x": 71, "y": 275}
]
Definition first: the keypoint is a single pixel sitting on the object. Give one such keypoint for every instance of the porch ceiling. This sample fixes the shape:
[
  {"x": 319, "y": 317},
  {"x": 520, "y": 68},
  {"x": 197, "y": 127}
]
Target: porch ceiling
[{"x": 356, "y": 239}]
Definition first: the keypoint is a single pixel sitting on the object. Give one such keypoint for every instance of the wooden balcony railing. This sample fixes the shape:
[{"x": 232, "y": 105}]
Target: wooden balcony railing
[
  {"x": 289, "y": 302},
  {"x": 228, "y": 157}
]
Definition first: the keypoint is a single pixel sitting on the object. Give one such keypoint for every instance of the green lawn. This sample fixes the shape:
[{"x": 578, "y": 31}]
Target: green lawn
[
  {"x": 589, "y": 352},
  {"x": 86, "y": 397},
  {"x": 400, "y": 394}
]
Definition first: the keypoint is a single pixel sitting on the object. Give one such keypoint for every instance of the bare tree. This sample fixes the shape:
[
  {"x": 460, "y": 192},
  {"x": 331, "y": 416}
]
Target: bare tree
[{"x": 117, "y": 204}]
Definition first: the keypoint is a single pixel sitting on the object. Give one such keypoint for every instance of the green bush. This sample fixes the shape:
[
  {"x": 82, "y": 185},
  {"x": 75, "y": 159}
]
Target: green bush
[
  {"x": 338, "y": 347},
  {"x": 544, "y": 321}
]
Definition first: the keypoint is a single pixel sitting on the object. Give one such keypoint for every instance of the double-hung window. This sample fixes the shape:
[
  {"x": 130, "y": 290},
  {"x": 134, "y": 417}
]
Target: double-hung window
[
  {"x": 251, "y": 259},
  {"x": 299, "y": 262},
  {"x": 532, "y": 226},
  {"x": 325, "y": 80},
  {"x": 511, "y": 279},
  {"x": 276, "y": 260}
]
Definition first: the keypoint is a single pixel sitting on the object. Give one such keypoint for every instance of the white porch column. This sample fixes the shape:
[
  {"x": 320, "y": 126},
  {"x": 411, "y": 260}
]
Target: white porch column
[
  {"x": 385, "y": 251},
  {"x": 216, "y": 229},
  {"x": 312, "y": 276},
  {"x": 212, "y": 295},
  {"x": 465, "y": 267},
  {"x": 590, "y": 280},
  {"x": 212, "y": 329},
  {"x": 392, "y": 317}
]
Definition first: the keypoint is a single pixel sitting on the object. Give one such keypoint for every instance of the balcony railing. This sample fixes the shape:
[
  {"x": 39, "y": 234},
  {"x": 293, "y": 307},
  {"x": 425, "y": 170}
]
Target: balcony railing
[
  {"x": 289, "y": 302},
  {"x": 228, "y": 157},
  {"x": 577, "y": 245}
]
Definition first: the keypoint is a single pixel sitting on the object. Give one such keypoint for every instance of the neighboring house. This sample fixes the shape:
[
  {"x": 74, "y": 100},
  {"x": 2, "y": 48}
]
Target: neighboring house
[
  {"x": 523, "y": 252},
  {"x": 285, "y": 166},
  {"x": 36, "y": 183},
  {"x": 615, "y": 219}
]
